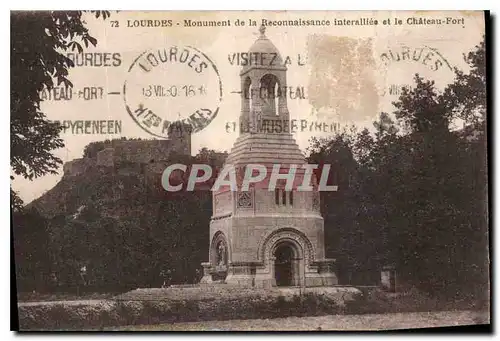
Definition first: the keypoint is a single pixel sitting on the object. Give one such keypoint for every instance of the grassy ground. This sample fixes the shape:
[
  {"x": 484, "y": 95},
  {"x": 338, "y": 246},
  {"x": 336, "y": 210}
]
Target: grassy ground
[
  {"x": 40, "y": 297},
  {"x": 187, "y": 305},
  {"x": 200, "y": 303},
  {"x": 329, "y": 322}
]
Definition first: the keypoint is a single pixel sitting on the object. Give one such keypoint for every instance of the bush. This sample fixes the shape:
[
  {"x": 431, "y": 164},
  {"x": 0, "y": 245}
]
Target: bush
[
  {"x": 376, "y": 301},
  {"x": 249, "y": 305},
  {"x": 63, "y": 316}
]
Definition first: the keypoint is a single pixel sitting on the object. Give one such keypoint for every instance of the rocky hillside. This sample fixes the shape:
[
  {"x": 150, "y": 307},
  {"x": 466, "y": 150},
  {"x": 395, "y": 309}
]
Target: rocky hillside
[
  {"x": 104, "y": 187},
  {"x": 122, "y": 226},
  {"x": 108, "y": 188}
]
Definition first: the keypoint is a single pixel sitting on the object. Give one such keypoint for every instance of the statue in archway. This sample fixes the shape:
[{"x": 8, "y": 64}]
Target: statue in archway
[{"x": 221, "y": 253}]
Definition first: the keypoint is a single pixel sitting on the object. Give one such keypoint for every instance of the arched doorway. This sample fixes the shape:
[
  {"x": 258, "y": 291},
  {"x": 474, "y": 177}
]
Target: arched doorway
[{"x": 286, "y": 264}]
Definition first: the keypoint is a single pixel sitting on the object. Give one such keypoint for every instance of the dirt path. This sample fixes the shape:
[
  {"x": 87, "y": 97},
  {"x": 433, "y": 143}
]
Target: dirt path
[{"x": 331, "y": 322}]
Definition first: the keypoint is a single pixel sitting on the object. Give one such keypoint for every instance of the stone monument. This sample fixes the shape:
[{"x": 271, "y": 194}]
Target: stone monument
[{"x": 258, "y": 237}]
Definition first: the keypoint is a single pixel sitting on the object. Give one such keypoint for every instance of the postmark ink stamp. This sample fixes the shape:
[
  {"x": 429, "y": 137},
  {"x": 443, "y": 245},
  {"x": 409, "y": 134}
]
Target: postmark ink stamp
[{"x": 170, "y": 85}]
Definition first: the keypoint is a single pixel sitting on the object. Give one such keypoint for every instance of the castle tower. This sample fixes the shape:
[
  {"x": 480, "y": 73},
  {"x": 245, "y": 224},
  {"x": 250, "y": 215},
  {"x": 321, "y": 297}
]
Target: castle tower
[
  {"x": 259, "y": 237},
  {"x": 179, "y": 137}
]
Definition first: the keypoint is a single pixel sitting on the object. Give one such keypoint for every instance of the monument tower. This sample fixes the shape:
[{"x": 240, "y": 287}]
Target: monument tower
[{"x": 258, "y": 237}]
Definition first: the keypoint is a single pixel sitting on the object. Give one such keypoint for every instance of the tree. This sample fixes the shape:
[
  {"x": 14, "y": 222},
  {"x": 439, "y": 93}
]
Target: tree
[
  {"x": 443, "y": 199},
  {"x": 416, "y": 194},
  {"x": 422, "y": 109},
  {"x": 31, "y": 240},
  {"x": 466, "y": 97},
  {"x": 38, "y": 62},
  {"x": 384, "y": 125},
  {"x": 346, "y": 236}
]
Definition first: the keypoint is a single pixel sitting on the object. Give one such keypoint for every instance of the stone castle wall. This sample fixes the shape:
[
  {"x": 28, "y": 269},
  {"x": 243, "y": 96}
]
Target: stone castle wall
[
  {"x": 78, "y": 166},
  {"x": 106, "y": 157},
  {"x": 138, "y": 151}
]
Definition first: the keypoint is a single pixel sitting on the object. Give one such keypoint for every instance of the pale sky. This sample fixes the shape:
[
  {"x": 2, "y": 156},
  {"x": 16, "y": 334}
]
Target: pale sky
[{"x": 330, "y": 76}]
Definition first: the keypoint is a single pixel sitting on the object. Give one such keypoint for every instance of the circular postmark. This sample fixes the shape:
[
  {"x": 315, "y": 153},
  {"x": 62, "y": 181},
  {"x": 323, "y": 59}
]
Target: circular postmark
[
  {"x": 175, "y": 84},
  {"x": 399, "y": 63}
]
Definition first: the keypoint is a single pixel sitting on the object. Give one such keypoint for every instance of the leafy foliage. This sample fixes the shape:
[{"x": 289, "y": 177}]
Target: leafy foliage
[
  {"x": 415, "y": 194},
  {"x": 466, "y": 97},
  {"x": 38, "y": 42},
  {"x": 30, "y": 246}
]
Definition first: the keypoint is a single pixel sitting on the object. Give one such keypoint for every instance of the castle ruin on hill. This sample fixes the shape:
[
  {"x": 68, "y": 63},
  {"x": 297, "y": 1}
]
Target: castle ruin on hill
[{"x": 134, "y": 151}]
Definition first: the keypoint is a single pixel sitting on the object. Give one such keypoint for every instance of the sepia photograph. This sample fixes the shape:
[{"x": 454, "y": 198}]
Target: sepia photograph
[{"x": 249, "y": 170}]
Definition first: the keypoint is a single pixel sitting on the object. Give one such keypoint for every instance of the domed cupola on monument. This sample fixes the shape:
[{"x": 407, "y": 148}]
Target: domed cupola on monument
[
  {"x": 262, "y": 81},
  {"x": 264, "y": 112}
]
